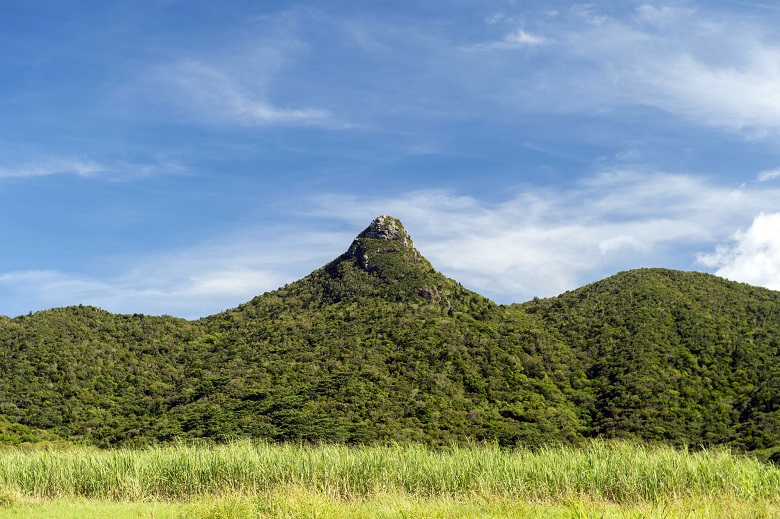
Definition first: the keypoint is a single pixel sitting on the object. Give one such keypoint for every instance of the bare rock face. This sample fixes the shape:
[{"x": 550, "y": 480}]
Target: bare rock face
[
  {"x": 387, "y": 228},
  {"x": 429, "y": 293},
  {"x": 385, "y": 235}
]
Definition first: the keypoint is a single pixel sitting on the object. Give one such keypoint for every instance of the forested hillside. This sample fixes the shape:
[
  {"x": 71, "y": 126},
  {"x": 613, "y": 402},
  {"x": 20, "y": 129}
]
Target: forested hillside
[
  {"x": 378, "y": 346},
  {"x": 675, "y": 356}
]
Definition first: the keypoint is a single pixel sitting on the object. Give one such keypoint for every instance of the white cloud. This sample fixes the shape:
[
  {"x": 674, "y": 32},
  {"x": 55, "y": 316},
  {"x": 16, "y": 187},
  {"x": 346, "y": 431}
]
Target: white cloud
[
  {"x": 700, "y": 65},
  {"x": 495, "y": 18},
  {"x": 544, "y": 242},
  {"x": 739, "y": 98},
  {"x": 212, "y": 94},
  {"x": 56, "y": 166},
  {"x": 86, "y": 167},
  {"x": 768, "y": 175},
  {"x": 27, "y": 275},
  {"x": 588, "y": 12},
  {"x": 513, "y": 40},
  {"x": 522, "y": 38},
  {"x": 192, "y": 282},
  {"x": 537, "y": 242},
  {"x": 715, "y": 73},
  {"x": 753, "y": 256},
  {"x": 248, "y": 76},
  {"x": 660, "y": 16}
]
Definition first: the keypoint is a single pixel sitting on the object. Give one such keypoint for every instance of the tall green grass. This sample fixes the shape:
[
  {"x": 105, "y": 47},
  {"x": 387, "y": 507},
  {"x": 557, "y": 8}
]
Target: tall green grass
[
  {"x": 607, "y": 471},
  {"x": 249, "y": 479},
  {"x": 610, "y": 471}
]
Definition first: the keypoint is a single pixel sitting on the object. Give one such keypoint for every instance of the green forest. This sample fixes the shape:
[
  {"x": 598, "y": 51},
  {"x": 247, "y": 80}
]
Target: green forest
[{"x": 378, "y": 347}]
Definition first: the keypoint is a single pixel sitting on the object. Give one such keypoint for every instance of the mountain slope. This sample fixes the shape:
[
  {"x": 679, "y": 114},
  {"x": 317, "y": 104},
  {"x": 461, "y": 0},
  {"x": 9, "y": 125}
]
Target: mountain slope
[
  {"x": 85, "y": 374},
  {"x": 675, "y": 356},
  {"x": 377, "y": 345}
]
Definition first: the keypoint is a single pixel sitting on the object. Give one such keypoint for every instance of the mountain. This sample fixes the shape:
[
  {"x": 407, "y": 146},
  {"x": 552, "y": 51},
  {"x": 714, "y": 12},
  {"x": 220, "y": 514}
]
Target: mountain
[
  {"x": 675, "y": 356},
  {"x": 377, "y": 345}
]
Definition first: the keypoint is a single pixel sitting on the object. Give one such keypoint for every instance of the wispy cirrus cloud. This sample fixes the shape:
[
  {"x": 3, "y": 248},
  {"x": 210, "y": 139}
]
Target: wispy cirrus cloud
[
  {"x": 662, "y": 16},
  {"x": 208, "y": 93},
  {"x": 251, "y": 77},
  {"x": 711, "y": 68},
  {"x": 714, "y": 71},
  {"x": 767, "y": 175},
  {"x": 112, "y": 169},
  {"x": 55, "y": 166},
  {"x": 513, "y": 40}
]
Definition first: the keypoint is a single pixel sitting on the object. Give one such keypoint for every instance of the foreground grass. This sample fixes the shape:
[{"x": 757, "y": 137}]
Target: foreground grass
[
  {"x": 298, "y": 503},
  {"x": 246, "y": 479}
]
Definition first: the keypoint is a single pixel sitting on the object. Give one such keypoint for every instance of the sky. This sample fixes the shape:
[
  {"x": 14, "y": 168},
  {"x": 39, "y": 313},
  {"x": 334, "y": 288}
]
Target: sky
[{"x": 181, "y": 157}]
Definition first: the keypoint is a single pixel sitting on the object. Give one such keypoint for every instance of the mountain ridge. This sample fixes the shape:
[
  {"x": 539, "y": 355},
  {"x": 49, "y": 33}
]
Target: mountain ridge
[{"x": 378, "y": 346}]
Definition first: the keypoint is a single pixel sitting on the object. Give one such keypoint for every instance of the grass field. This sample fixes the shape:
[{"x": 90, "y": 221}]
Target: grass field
[{"x": 247, "y": 479}]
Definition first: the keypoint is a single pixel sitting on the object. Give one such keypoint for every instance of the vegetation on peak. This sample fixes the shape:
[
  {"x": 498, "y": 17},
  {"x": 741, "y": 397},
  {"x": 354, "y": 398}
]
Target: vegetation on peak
[
  {"x": 385, "y": 251},
  {"x": 381, "y": 263}
]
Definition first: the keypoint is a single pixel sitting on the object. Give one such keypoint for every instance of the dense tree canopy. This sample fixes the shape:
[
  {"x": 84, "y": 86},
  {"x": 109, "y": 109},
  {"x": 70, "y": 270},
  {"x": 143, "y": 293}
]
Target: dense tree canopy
[{"x": 378, "y": 346}]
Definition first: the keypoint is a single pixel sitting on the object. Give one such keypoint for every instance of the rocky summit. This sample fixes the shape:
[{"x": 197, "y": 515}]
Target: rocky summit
[
  {"x": 384, "y": 241},
  {"x": 387, "y": 228}
]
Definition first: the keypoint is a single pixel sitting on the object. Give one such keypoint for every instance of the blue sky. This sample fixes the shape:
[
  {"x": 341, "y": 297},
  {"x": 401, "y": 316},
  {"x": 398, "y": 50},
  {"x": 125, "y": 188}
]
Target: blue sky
[{"x": 180, "y": 157}]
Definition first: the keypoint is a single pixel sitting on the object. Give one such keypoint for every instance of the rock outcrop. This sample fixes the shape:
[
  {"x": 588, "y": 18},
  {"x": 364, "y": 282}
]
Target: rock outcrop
[{"x": 385, "y": 235}]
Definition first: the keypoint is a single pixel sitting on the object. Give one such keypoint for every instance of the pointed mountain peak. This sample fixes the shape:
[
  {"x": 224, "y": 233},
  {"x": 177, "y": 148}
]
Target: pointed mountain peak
[
  {"x": 383, "y": 262},
  {"x": 384, "y": 237},
  {"x": 387, "y": 228}
]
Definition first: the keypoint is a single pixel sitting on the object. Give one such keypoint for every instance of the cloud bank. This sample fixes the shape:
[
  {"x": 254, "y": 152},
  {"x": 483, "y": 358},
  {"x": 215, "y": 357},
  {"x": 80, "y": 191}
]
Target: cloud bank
[
  {"x": 753, "y": 255},
  {"x": 537, "y": 242},
  {"x": 542, "y": 242},
  {"x": 193, "y": 282}
]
